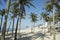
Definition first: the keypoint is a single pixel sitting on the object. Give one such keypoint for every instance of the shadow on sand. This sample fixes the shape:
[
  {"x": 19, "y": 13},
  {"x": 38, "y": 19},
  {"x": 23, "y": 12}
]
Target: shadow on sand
[
  {"x": 33, "y": 37},
  {"x": 24, "y": 36}
]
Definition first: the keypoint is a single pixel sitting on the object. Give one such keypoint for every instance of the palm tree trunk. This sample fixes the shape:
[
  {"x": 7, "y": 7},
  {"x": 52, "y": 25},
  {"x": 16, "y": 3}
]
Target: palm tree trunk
[
  {"x": 34, "y": 27},
  {"x": 1, "y": 23},
  {"x": 13, "y": 27},
  {"x": 0, "y": 27},
  {"x": 9, "y": 27},
  {"x": 5, "y": 22},
  {"x": 50, "y": 29},
  {"x": 53, "y": 22},
  {"x": 16, "y": 30},
  {"x": 31, "y": 29},
  {"x": 4, "y": 28},
  {"x": 44, "y": 26},
  {"x": 20, "y": 25}
]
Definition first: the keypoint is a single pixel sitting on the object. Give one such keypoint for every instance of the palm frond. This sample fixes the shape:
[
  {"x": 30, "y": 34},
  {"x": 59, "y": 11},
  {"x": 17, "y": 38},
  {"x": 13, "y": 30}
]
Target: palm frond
[
  {"x": 33, "y": 17},
  {"x": 31, "y": 5}
]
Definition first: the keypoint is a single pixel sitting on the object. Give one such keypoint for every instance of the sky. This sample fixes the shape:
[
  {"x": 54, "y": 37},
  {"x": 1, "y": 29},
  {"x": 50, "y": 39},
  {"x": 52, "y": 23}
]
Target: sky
[{"x": 39, "y": 4}]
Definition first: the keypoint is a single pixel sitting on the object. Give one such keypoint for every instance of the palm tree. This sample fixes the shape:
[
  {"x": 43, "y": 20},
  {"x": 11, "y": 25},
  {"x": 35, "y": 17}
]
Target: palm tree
[
  {"x": 48, "y": 7},
  {"x": 12, "y": 25},
  {"x": 22, "y": 3},
  {"x": 2, "y": 13},
  {"x": 53, "y": 6},
  {"x": 5, "y": 22},
  {"x": 53, "y": 20},
  {"x": 8, "y": 27},
  {"x": 21, "y": 16},
  {"x": 33, "y": 19},
  {"x": 14, "y": 11},
  {"x": 15, "y": 38},
  {"x": 50, "y": 26},
  {"x": 45, "y": 17}
]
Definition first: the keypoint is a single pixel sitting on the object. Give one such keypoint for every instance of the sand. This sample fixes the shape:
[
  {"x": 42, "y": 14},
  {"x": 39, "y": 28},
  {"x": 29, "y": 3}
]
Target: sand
[{"x": 39, "y": 34}]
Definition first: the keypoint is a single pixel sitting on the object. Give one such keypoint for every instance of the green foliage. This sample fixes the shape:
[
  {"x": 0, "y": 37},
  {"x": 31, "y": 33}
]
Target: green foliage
[
  {"x": 45, "y": 16},
  {"x": 2, "y": 12},
  {"x": 33, "y": 17},
  {"x": 49, "y": 6},
  {"x": 21, "y": 16},
  {"x": 21, "y": 4}
]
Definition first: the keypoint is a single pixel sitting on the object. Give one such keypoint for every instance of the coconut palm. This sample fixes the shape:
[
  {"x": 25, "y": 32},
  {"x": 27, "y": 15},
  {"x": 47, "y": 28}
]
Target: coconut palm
[
  {"x": 53, "y": 19},
  {"x": 15, "y": 38},
  {"x": 5, "y": 22},
  {"x": 48, "y": 7},
  {"x": 33, "y": 19},
  {"x": 45, "y": 17},
  {"x": 22, "y": 4},
  {"x": 53, "y": 4},
  {"x": 8, "y": 27},
  {"x": 13, "y": 24},
  {"x": 14, "y": 11},
  {"x": 2, "y": 13},
  {"x": 21, "y": 16},
  {"x": 50, "y": 20}
]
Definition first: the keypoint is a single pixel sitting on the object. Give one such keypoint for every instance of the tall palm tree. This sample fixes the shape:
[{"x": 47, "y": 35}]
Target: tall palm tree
[
  {"x": 45, "y": 17},
  {"x": 22, "y": 4},
  {"x": 15, "y": 38},
  {"x": 8, "y": 27},
  {"x": 2, "y": 13},
  {"x": 14, "y": 11},
  {"x": 21, "y": 16},
  {"x": 33, "y": 19},
  {"x": 53, "y": 6},
  {"x": 53, "y": 19},
  {"x": 50, "y": 26},
  {"x": 12, "y": 25},
  {"x": 5, "y": 22}
]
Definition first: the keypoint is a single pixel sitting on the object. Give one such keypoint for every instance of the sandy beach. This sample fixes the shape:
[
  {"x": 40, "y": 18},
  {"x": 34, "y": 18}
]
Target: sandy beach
[{"x": 37, "y": 35}]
